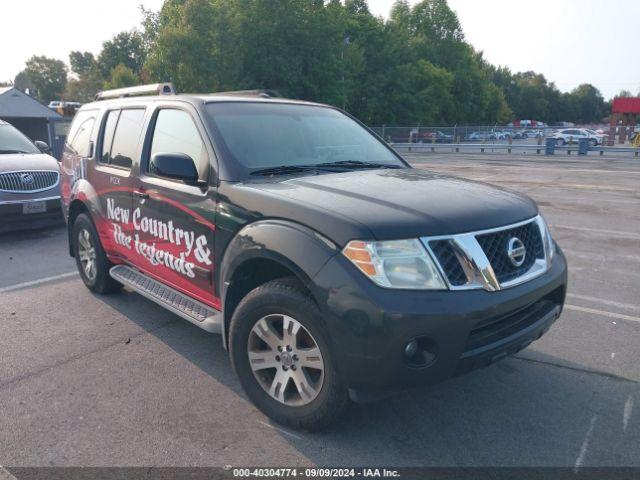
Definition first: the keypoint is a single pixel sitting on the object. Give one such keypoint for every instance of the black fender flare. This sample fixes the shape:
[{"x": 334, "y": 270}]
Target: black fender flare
[{"x": 296, "y": 247}]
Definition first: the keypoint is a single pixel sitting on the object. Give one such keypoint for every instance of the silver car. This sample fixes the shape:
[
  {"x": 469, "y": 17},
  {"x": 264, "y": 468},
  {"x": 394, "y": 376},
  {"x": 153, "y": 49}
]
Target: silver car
[{"x": 29, "y": 182}]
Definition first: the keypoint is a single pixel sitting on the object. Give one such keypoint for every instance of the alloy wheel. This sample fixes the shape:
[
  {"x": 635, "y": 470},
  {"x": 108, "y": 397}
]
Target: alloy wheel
[
  {"x": 87, "y": 254},
  {"x": 286, "y": 360}
]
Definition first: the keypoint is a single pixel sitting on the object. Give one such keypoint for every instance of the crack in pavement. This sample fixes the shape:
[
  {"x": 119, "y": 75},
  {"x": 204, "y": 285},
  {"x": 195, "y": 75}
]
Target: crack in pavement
[{"x": 611, "y": 376}]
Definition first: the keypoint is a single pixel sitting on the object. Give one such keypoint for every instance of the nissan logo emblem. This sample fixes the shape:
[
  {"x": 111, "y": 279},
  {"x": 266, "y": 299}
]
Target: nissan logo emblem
[
  {"x": 516, "y": 251},
  {"x": 27, "y": 179}
]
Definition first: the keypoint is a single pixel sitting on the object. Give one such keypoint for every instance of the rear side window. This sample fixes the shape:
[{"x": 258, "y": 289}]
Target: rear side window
[
  {"x": 80, "y": 134},
  {"x": 176, "y": 132},
  {"x": 121, "y": 137}
]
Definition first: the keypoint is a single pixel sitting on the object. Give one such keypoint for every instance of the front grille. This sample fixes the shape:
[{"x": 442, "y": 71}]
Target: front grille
[
  {"x": 443, "y": 250},
  {"x": 28, "y": 181},
  {"x": 495, "y": 246}
]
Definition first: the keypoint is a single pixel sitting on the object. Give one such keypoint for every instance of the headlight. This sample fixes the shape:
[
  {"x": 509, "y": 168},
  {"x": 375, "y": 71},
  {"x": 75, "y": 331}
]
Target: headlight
[
  {"x": 549, "y": 247},
  {"x": 395, "y": 264}
]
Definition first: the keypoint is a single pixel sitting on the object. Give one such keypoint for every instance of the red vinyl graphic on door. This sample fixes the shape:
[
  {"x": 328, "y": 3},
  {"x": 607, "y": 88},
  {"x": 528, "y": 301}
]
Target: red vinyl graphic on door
[{"x": 173, "y": 246}]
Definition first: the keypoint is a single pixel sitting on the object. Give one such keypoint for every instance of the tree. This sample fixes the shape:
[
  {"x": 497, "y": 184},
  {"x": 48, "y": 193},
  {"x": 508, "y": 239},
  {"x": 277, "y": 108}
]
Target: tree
[
  {"x": 84, "y": 88},
  {"x": 122, "y": 76},
  {"x": 125, "y": 48},
  {"x": 23, "y": 83},
  {"x": 47, "y": 76},
  {"x": 82, "y": 62},
  {"x": 589, "y": 104}
]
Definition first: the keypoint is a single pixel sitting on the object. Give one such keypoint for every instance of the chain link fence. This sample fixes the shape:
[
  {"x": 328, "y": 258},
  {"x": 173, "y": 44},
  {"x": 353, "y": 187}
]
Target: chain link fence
[{"x": 494, "y": 134}]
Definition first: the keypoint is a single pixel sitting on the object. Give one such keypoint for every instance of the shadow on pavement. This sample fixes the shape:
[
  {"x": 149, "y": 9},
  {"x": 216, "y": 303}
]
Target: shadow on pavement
[{"x": 515, "y": 413}]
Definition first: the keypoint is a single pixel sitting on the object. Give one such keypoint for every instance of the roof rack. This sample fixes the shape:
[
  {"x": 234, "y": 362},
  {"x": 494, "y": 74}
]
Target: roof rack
[
  {"x": 139, "y": 91},
  {"x": 251, "y": 93}
]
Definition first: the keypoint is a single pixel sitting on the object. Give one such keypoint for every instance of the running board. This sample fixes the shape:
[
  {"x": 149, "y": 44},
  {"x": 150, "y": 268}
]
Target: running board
[{"x": 199, "y": 314}]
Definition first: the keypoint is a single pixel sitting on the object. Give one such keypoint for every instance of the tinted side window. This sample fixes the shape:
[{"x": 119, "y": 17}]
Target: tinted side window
[
  {"x": 80, "y": 133},
  {"x": 107, "y": 139},
  {"x": 121, "y": 136},
  {"x": 80, "y": 143},
  {"x": 126, "y": 137},
  {"x": 175, "y": 132}
]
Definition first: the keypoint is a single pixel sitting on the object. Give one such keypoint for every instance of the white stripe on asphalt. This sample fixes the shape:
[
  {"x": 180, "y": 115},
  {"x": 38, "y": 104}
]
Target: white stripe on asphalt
[
  {"x": 624, "y": 306},
  {"x": 598, "y": 230},
  {"x": 5, "y": 474},
  {"x": 626, "y": 413},
  {"x": 18, "y": 286},
  {"x": 617, "y": 316},
  {"x": 585, "y": 445}
]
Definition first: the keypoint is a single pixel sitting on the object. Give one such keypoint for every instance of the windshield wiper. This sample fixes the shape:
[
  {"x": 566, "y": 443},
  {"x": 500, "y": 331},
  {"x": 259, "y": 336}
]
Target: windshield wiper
[
  {"x": 13, "y": 151},
  {"x": 358, "y": 164},
  {"x": 284, "y": 170}
]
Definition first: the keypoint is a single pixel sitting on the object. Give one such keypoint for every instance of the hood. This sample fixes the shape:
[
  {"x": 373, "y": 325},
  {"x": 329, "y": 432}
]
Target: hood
[
  {"x": 405, "y": 203},
  {"x": 37, "y": 161}
]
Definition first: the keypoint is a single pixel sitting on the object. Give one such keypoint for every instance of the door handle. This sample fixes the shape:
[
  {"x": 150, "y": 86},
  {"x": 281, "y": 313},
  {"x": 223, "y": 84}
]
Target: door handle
[{"x": 141, "y": 194}]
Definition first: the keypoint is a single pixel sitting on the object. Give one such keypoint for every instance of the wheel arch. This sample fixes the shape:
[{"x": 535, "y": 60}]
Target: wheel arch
[
  {"x": 267, "y": 250},
  {"x": 76, "y": 207}
]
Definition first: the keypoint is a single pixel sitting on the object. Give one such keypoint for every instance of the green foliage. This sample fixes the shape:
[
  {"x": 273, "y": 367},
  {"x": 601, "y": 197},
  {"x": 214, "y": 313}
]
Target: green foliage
[
  {"x": 415, "y": 67},
  {"x": 82, "y": 62},
  {"x": 126, "y": 48},
  {"x": 84, "y": 88},
  {"x": 46, "y": 77},
  {"x": 122, "y": 76},
  {"x": 23, "y": 83}
]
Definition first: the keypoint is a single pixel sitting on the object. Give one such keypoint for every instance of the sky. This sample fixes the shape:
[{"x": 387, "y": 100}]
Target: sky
[{"x": 569, "y": 41}]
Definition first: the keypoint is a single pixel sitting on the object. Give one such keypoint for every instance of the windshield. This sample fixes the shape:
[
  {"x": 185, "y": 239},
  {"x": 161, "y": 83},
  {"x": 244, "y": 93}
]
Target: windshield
[
  {"x": 12, "y": 141},
  {"x": 274, "y": 135}
]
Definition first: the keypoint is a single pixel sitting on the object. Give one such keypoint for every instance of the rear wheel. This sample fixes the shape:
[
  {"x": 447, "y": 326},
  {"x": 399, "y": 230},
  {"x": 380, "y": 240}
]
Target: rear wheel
[
  {"x": 560, "y": 141},
  {"x": 593, "y": 142},
  {"x": 91, "y": 259},
  {"x": 281, "y": 354}
]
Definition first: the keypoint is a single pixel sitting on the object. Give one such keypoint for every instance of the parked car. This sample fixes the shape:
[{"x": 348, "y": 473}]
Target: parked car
[
  {"x": 574, "y": 135},
  {"x": 331, "y": 267},
  {"x": 29, "y": 182},
  {"x": 531, "y": 133},
  {"x": 478, "y": 136},
  {"x": 514, "y": 134},
  {"x": 437, "y": 136}
]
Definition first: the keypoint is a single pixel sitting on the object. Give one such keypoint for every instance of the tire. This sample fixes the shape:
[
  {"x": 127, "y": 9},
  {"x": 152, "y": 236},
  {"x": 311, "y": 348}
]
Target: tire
[
  {"x": 97, "y": 278},
  {"x": 560, "y": 141},
  {"x": 593, "y": 142},
  {"x": 265, "y": 305}
]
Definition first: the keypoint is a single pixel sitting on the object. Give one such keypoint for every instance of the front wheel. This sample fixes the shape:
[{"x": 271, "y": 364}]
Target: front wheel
[
  {"x": 560, "y": 141},
  {"x": 91, "y": 259},
  {"x": 593, "y": 142},
  {"x": 280, "y": 351}
]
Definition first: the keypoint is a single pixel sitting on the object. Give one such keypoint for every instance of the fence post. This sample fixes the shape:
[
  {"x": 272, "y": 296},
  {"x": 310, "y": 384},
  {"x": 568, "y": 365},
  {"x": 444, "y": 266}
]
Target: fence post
[
  {"x": 550, "y": 147},
  {"x": 583, "y": 146}
]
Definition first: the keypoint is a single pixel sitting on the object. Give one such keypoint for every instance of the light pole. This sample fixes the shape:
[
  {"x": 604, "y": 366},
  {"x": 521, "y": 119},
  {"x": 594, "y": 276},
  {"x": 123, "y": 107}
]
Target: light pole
[{"x": 345, "y": 42}]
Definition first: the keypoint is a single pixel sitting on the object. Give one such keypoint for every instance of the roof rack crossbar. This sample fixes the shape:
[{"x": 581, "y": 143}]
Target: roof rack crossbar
[
  {"x": 250, "y": 93},
  {"x": 138, "y": 91}
]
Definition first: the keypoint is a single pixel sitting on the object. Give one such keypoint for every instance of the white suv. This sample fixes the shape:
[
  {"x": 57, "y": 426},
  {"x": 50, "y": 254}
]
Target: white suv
[{"x": 575, "y": 134}]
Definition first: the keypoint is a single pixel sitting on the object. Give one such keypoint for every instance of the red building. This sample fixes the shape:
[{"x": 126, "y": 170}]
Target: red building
[{"x": 625, "y": 109}]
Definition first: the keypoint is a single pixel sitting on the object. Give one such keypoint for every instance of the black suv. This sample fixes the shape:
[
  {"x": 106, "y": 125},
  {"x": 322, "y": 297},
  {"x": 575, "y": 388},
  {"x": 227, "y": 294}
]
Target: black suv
[{"x": 332, "y": 269}]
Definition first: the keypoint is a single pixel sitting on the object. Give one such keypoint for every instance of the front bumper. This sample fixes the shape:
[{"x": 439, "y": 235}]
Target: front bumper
[
  {"x": 13, "y": 218},
  {"x": 370, "y": 326}
]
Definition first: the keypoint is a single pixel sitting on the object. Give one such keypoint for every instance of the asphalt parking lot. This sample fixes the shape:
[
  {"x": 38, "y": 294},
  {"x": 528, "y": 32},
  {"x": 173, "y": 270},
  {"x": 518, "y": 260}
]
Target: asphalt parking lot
[{"x": 87, "y": 380}]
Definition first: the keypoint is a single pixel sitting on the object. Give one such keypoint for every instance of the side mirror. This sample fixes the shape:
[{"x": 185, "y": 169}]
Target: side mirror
[
  {"x": 43, "y": 147},
  {"x": 176, "y": 166}
]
